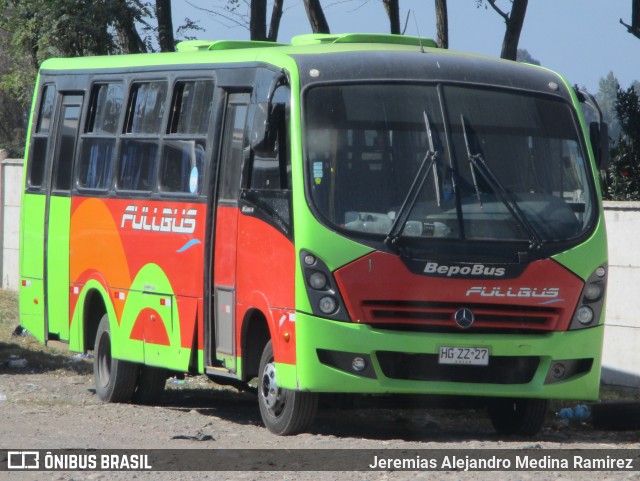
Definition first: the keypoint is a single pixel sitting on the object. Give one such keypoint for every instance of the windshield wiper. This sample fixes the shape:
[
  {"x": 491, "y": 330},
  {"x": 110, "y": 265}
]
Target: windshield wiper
[
  {"x": 478, "y": 162},
  {"x": 428, "y": 165}
]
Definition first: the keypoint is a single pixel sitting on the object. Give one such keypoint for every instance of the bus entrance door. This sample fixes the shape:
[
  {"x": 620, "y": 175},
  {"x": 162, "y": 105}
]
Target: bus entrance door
[
  {"x": 226, "y": 228},
  {"x": 58, "y": 218}
]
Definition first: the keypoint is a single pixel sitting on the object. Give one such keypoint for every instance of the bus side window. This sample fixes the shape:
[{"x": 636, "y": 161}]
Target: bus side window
[
  {"x": 146, "y": 107},
  {"x": 234, "y": 147},
  {"x": 38, "y": 156},
  {"x": 139, "y": 151},
  {"x": 67, "y": 136},
  {"x": 99, "y": 142},
  {"x": 183, "y": 154},
  {"x": 268, "y": 180},
  {"x": 272, "y": 170}
]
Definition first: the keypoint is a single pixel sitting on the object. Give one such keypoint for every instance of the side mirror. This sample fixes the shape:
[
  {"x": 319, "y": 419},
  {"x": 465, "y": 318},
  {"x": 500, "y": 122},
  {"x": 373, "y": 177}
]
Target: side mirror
[
  {"x": 260, "y": 128},
  {"x": 599, "y": 136},
  {"x": 266, "y": 124}
]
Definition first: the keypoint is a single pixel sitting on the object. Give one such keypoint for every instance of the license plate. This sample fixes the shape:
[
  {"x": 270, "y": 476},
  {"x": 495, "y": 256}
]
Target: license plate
[{"x": 475, "y": 356}]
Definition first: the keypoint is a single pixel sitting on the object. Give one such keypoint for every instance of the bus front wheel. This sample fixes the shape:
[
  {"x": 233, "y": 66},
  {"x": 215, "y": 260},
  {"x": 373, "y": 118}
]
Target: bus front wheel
[
  {"x": 520, "y": 417},
  {"x": 115, "y": 379},
  {"x": 283, "y": 411}
]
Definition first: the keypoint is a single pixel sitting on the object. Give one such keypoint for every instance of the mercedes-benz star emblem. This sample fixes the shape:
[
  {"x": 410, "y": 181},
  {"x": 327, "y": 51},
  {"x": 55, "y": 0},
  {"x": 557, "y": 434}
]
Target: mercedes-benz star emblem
[{"x": 464, "y": 318}]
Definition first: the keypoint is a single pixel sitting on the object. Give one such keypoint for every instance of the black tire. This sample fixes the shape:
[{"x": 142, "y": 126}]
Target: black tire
[
  {"x": 283, "y": 412},
  {"x": 115, "y": 379},
  {"x": 520, "y": 417},
  {"x": 150, "y": 386}
]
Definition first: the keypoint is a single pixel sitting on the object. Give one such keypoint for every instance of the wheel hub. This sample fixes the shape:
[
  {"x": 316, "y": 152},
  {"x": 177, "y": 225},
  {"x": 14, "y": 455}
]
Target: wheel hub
[{"x": 271, "y": 393}]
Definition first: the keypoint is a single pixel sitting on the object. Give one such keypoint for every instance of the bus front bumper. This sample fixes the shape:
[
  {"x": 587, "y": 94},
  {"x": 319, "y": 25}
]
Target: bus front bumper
[{"x": 353, "y": 358}]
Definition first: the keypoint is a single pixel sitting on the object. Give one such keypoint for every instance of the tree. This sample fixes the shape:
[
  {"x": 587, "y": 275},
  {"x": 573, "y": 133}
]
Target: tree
[
  {"x": 251, "y": 15},
  {"x": 13, "y": 109},
  {"x": 624, "y": 174},
  {"x": 127, "y": 14},
  {"x": 606, "y": 97},
  {"x": 276, "y": 16},
  {"x": 514, "y": 20},
  {"x": 33, "y": 30},
  {"x": 634, "y": 28},
  {"x": 166, "y": 40},
  {"x": 317, "y": 20},
  {"x": 393, "y": 12},
  {"x": 442, "y": 24},
  {"x": 523, "y": 55},
  {"x": 258, "y": 20}
]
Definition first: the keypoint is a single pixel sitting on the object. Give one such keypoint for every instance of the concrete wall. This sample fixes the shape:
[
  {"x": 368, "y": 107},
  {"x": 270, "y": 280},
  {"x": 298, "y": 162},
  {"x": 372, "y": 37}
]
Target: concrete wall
[
  {"x": 10, "y": 190},
  {"x": 621, "y": 355}
]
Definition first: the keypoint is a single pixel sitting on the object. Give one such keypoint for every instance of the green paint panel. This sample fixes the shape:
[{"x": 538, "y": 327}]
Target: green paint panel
[
  {"x": 32, "y": 236},
  {"x": 57, "y": 281},
  {"x": 31, "y": 303},
  {"x": 151, "y": 290},
  {"x": 313, "y": 333},
  {"x": 585, "y": 258}
]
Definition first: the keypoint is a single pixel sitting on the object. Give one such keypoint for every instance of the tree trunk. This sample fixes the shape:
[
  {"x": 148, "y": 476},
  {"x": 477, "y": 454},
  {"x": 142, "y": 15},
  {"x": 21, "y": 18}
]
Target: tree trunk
[
  {"x": 514, "y": 26},
  {"x": 258, "y": 20},
  {"x": 165, "y": 26},
  {"x": 393, "y": 11},
  {"x": 634, "y": 28},
  {"x": 274, "y": 25},
  {"x": 442, "y": 24},
  {"x": 316, "y": 16},
  {"x": 125, "y": 26}
]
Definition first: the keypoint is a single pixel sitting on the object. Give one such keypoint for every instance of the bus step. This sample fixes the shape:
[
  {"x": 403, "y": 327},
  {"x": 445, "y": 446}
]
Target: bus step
[{"x": 220, "y": 371}]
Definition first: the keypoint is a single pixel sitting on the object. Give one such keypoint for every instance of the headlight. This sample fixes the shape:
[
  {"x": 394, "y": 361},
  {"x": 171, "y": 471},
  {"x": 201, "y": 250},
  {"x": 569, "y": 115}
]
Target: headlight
[
  {"x": 327, "y": 305},
  {"x": 322, "y": 290},
  {"x": 589, "y": 309},
  {"x": 318, "y": 281},
  {"x": 584, "y": 315},
  {"x": 593, "y": 291}
]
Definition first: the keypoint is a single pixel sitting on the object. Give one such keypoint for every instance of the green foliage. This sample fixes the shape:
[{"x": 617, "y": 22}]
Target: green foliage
[
  {"x": 607, "y": 94},
  {"x": 523, "y": 55},
  {"x": 624, "y": 174},
  {"x": 33, "y": 30}
]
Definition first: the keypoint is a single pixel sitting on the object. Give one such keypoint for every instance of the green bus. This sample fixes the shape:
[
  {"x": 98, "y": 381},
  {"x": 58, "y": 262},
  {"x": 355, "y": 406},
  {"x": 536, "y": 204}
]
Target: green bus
[{"x": 353, "y": 213}]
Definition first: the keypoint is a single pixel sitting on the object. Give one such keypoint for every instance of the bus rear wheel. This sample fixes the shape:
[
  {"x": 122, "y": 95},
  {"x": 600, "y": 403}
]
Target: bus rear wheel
[
  {"x": 520, "y": 417},
  {"x": 283, "y": 412},
  {"x": 115, "y": 379}
]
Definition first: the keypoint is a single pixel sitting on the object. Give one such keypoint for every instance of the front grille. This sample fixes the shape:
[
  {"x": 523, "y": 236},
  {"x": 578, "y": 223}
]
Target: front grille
[
  {"x": 439, "y": 315},
  {"x": 425, "y": 367}
]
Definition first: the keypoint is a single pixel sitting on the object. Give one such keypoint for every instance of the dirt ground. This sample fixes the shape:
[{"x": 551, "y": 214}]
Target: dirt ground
[{"x": 50, "y": 403}]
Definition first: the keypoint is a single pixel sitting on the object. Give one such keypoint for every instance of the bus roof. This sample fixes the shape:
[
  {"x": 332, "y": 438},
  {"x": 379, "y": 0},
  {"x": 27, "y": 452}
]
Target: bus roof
[
  {"x": 225, "y": 51},
  {"x": 344, "y": 55}
]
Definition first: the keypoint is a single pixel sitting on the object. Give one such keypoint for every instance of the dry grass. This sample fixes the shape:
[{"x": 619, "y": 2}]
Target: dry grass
[
  {"x": 8, "y": 313},
  {"x": 40, "y": 358}
]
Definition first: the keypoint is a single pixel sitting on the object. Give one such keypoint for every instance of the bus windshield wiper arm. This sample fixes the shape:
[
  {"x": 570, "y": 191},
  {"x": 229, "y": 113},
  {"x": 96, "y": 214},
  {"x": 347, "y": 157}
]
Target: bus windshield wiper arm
[
  {"x": 478, "y": 162},
  {"x": 428, "y": 165}
]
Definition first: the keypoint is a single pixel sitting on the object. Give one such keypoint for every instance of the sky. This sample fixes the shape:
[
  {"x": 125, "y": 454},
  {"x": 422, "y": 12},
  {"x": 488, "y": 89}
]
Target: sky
[{"x": 581, "y": 39}]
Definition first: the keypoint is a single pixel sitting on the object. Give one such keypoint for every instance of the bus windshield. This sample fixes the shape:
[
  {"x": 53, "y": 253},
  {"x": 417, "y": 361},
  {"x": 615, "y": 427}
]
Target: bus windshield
[{"x": 500, "y": 164}]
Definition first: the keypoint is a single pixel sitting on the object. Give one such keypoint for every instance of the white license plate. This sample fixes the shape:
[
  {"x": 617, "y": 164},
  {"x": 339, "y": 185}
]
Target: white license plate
[{"x": 475, "y": 356}]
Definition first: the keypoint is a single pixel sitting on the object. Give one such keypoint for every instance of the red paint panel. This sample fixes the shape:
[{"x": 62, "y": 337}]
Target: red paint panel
[
  {"x": 378, "y": 288},
  {"x": 112, "y": 239},
  {"x": 200, "y": 323},
  {"x": 117, "y": 237},
  {"x": 188, "y": 311},
  {"x": 150, "y": 328},
  {"x": 266, "y": 273},
  {"x": 225, "y": 246}
]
